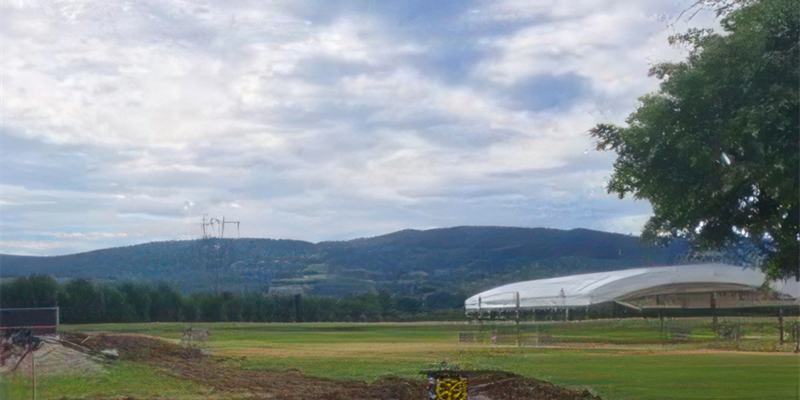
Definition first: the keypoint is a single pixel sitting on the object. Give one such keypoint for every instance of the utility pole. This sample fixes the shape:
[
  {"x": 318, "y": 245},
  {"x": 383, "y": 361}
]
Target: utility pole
[
  {"x": 214, "y": 224},
  {"x": 33, "y": 375},
  {"x": 229, "y": 222},
  {"x": 214, "y": 251}
]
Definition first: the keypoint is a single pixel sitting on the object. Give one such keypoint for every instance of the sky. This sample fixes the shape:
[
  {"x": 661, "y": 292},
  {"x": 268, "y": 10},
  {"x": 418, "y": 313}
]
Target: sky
[{"x": 127, "y": 122}]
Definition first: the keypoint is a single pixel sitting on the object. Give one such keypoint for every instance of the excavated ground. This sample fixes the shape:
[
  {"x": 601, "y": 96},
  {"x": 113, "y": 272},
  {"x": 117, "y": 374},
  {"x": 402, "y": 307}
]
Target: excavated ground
[
  {"x": 225, "y": 376},
  {"x": 54, "y": 359}
]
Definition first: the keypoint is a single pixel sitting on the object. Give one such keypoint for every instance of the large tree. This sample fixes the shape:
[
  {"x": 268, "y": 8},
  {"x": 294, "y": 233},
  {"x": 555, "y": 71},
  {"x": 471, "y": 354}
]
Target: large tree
[{"x": 716, "y": 149}]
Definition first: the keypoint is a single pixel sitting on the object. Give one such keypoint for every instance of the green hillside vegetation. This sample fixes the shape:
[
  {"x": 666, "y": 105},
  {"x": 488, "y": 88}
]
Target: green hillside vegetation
[{"x": 439, "y": 262}]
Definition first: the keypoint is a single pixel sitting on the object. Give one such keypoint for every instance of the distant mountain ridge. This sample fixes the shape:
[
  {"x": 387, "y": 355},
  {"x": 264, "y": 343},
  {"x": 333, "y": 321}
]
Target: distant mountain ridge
[{"x": 457, "y": 260}]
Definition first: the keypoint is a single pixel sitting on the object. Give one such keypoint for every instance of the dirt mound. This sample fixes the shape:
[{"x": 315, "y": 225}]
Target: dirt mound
[
  {"x": 55, "y": 359},
  {"x": 511, "y": 386},
  {"x": 134, "y": 347},
  {"x": 227, "y": 378}
]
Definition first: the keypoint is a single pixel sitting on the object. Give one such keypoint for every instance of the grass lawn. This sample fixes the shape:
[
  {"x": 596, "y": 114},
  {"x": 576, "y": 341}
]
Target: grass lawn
[
  {"x": 123, "y": 380},
  {"x": 690, "y": 370}
]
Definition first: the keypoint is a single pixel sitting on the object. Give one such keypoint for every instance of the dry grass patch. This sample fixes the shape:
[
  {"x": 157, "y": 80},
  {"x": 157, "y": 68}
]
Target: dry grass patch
[{"x": 341, "y": 350}]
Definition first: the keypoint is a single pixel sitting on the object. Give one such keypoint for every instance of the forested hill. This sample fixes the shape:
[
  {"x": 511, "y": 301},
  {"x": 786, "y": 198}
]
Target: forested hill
[{"x": 456, "y": 260}]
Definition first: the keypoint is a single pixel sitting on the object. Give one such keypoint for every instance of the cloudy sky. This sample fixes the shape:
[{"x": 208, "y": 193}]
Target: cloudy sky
[{"x": 126, "y": 122}]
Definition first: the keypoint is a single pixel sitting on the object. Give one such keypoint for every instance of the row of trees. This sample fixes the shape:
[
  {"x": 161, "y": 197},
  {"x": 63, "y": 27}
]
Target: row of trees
[{"x": 82, "y": 301}]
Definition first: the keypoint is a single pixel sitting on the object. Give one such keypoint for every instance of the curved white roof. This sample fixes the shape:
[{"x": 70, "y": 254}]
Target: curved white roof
[{"x": 587, "y": 289}]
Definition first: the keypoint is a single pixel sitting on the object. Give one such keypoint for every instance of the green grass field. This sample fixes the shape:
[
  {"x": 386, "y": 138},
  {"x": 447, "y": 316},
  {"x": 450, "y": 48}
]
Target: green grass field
[{"x": 638, "y": 367}]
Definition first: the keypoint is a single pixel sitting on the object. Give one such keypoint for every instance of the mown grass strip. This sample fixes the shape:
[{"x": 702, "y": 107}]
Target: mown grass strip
[{"x": 122, "y": 379}]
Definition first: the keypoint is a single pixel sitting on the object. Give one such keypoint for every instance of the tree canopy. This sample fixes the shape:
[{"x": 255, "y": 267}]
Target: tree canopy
[{"x": 716, "y": 150}]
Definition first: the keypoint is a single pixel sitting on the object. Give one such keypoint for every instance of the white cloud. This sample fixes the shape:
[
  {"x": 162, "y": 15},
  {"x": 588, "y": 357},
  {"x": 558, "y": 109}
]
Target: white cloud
[{"x": 125, "y": 122}]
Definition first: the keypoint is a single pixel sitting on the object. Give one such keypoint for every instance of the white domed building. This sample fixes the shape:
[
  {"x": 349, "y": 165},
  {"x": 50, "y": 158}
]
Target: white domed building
[{"x": 685, "y": 290}]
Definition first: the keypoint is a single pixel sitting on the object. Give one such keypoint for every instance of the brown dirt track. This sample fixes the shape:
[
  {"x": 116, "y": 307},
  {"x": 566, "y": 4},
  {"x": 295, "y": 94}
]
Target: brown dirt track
[{"x": 229, "y": 380}]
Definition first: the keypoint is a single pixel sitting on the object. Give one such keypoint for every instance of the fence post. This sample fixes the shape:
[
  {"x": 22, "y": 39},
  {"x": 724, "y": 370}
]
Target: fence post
[{"x": 33, "y": 375}]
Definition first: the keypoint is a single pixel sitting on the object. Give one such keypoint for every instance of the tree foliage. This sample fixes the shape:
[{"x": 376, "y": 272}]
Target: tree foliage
[
  {"x": 715, "y": 150},
  {"x": 82, "y": 301}
]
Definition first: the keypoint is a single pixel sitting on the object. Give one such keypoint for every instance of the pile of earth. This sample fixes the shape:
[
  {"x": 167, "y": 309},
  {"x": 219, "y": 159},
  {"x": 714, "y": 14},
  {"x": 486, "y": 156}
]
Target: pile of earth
[
  {"x": 505, "y": 385},
  {"x": 53, "y": 358},
  {"x": 225, "y": 376}
]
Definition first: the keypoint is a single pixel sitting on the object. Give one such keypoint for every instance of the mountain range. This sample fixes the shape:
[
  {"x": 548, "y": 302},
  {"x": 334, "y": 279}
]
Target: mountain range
[{"x": 454, "y": 262}]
